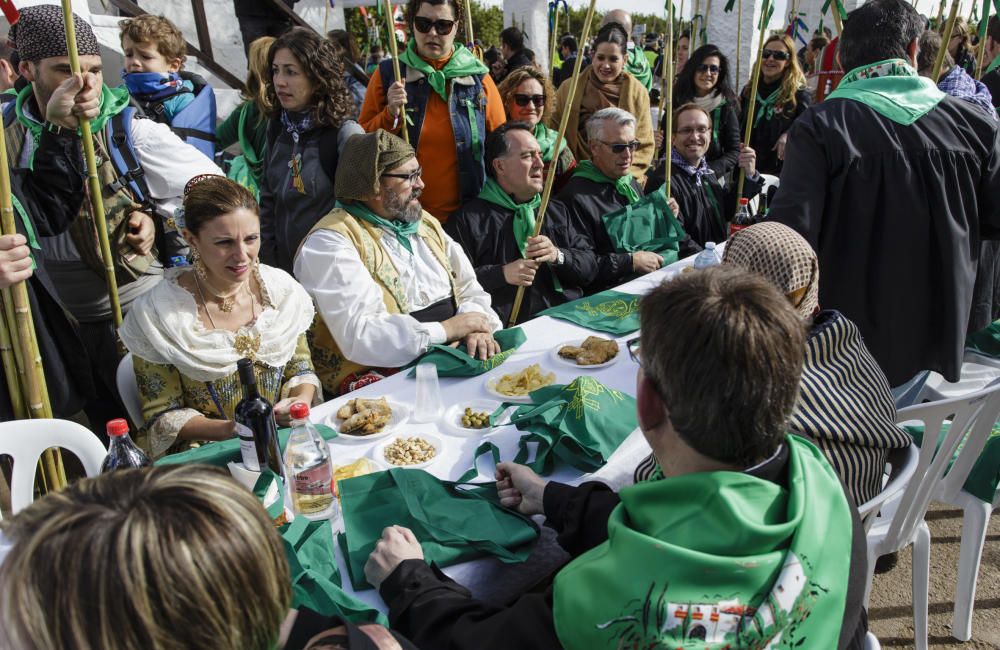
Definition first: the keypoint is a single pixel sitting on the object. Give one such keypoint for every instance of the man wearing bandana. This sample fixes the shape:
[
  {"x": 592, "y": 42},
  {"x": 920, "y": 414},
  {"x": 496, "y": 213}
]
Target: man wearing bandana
[
  {"x": 745, "y": 537},
  {"x": 73, "y": 258},
  {"x": 894, "y": 183},
  {"x": 387, "y": 281}
]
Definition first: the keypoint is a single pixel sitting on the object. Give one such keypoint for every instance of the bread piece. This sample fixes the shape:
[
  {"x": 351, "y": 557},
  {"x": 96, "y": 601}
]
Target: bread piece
[
  {"x": 380, "y": 406},
  {"x": 347, "y": 410},
  {"x": 569, "y": 351}
]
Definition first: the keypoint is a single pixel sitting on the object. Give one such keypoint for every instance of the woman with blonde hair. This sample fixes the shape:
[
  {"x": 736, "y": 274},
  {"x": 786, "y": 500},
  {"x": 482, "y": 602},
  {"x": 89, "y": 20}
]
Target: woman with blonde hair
[
  {"x": 528, "y": 96},
  {"x": 187, "y": 334},
  {"x": 606, "y": 84},
  {"x": 168, "y": 557},
  {"x": 247, "y": 124},
  {"x": 960, "y": 45},
  {"x": 781, "y": 97}
]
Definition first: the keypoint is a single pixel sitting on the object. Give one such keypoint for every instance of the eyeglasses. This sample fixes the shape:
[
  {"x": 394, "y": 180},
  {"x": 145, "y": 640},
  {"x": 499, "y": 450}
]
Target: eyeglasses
[
  {"x": 441, "y": 26},
  {"x": 411, "y": 177},
  {"x": 633, "y": 350},
  {"x": 524, "y": 100},
  {"x": 711, "y": 69},
  {"x": 620, "y": 147},
  {"x": 777, "y": 54},
  {"x": 691, "y": 130}
]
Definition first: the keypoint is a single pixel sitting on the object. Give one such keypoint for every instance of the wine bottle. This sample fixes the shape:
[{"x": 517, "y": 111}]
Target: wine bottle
[{"x": 255, "y": 421}]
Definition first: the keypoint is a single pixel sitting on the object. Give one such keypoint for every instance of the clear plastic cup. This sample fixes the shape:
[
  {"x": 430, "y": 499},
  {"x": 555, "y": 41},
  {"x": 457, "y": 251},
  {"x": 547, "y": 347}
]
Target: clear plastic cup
[{"x": 428, "y": 406}]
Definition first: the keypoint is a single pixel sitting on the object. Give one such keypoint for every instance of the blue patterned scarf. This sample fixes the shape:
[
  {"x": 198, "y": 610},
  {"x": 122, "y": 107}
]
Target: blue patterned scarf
[
  {"x": 959, "y": 84},
  {"x": 296, "y": 123},
  {"x": 698, "y": 172}
]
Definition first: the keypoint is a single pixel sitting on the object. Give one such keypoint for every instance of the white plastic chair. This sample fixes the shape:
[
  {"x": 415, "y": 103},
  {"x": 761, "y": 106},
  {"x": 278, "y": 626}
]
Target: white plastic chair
[
  {"x": 26, "y": 440},
  {"x": 901, "y": 520},
  {"x": 975, "y": 519},
  {"x": 901, "y": 464},
  {"x": 871, "y": 642},
  {"x": 129, "y": 390},
  {"x": 977, "y": 372}
]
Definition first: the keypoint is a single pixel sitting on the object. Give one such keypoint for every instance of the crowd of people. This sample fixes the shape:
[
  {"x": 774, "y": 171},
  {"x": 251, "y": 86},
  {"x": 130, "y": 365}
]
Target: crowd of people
[{"x": 348, "y": 215}]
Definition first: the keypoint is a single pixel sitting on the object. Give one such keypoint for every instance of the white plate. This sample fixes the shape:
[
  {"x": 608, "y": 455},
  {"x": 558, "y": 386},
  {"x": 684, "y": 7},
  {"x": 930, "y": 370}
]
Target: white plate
[
  {"x": 378, "y": 452},
  {"x": 453, "y": 416},
  {"x": 400, "y": 414},
  {"x": 490, "y": 385},
  {"x": 554, "y": 353}
]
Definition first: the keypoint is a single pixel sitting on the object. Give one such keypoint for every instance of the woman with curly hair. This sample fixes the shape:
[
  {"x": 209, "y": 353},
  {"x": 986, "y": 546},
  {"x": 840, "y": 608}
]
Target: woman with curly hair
[
  {"x": 310, "y": 120},
  {"x": 528, "y": 96},
  {"x": 781, "y": 97}
]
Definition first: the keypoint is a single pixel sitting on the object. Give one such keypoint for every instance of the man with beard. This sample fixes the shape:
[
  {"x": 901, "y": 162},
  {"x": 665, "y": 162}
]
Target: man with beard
[
  {"x": 496, "y": 230},
  {"x": 387, "y": 281}
]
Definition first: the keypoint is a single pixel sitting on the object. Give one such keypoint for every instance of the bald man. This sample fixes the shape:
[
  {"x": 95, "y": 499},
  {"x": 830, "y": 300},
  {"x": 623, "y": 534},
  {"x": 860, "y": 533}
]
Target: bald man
[{"x": 636, "y": 64}]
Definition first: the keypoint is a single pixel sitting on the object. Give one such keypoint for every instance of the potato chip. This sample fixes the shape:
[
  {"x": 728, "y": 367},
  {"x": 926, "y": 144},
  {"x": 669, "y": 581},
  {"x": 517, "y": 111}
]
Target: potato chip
[{"x": 523, "y": 382}]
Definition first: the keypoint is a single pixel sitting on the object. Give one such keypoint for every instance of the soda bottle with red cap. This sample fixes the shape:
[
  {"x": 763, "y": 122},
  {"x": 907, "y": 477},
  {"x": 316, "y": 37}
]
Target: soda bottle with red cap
[
  {"x": 122, "y": 452},
  {"x": 307, "y": 464},
  {"x": 743, "y": 219}
]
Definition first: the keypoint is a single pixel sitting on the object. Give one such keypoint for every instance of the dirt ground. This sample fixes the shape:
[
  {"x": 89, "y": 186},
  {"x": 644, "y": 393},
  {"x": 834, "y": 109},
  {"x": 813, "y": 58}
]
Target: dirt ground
[{"x": 891, "y": 608}]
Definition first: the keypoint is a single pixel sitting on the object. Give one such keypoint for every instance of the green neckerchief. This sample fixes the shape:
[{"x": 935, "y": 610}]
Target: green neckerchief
[
  {"x": 891, "y": 88},
  {"x": 715, "y": 560},
  {"x": 461, "y": 64},
  {"x": 401, "y": 229},
  {"x": 547, "y": 142},
  {"x": 29, "y": 229},
  {"x": 716, "y": 119},
  {"x": 587, "y": 169},
  {"x": 112, "y": 102},
  {"x": 766, "y": 106},
  {"x": 993, "y": 65},
  {"x": 637, "y": 65},
  {"x": 524, "y": 213}
]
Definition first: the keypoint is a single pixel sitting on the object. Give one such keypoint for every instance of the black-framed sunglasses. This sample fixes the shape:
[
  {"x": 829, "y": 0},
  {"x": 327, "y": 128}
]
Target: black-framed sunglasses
[
  {"x": 777, "y": 54},
  {"x": 620, "y": 147},
  {"x": 411, "y": 177},
  {"x": 441, "y": 27},
  {"x": 711, "y": 69},
  {"x": 633, "y": 350},
  {"x": 524, "y": 100}
]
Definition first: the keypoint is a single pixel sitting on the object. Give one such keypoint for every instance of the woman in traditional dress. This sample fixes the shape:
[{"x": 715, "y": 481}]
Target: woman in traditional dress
[
  {"x": 844, "y": 403},
  {"x": 187, "y": 334},
  {"x": 528, "y": 96},
  {"x": 310, "y": 119},
  {"x": 781, "y": 97},
  {"x": 605, "y": 84}
]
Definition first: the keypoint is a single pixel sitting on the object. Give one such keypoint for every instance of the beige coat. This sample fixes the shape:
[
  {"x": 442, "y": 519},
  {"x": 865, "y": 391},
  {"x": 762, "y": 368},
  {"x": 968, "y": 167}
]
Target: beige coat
[{"x": 634, "y": 99}]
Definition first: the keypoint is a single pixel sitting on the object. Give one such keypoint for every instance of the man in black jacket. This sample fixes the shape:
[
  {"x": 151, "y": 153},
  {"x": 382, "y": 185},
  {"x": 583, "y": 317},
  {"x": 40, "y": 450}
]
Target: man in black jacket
[
  {"x": 495, "y": 227},
  {"x": 568, "y": 53},
  {"x": 894, "y": 196},
  {"x": 705, "y": 207},
  {"x": 513, "y": 50},
  {"x": 672, "y": 543},
  {"x": 991, "y": 59}
]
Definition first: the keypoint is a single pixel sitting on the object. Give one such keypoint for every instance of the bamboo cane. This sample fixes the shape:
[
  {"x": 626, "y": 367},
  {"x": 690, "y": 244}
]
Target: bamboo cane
[
  {"x": 939, "y": 61},
  {"x": 94, "y": 183},
  {"x": 752, "y": 100},
  {"x": 838, "y": 22},
  {"x": 468, "y": 31},
  {"x": 393, "y": 51},
  {"x": 981, "y": 47},
  {"x": 668, "y": 95},
  {"x": 739, "y": 39},
  {"x": 554, "y": 38},
  {"x": 11, "y": 365},
  {"x": 940, "y": 15},
  {"x": 563, "y": 123},
  {"x": 704, "y": 21}
]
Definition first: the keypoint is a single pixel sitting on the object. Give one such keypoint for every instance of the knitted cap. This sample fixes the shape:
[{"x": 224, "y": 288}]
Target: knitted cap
[
  {"x": 40, "y": 33},
  {"x": 364, "y": 159}
]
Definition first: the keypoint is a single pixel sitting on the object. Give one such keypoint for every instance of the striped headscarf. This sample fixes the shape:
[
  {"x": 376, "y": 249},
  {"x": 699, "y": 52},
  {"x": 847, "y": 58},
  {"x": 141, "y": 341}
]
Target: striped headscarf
[{"x": 782, "y": 256}]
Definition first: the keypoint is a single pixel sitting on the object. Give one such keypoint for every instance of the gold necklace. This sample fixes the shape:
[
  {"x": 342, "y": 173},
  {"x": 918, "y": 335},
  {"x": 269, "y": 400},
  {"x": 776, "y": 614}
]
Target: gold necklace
[
  {"x": 227, "y": 302},
  {"x": 247, "y": 341}
]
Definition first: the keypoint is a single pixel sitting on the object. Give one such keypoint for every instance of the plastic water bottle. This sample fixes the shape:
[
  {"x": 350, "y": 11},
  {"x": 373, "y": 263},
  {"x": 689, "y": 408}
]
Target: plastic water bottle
[
  {"x": 707, "y": 257},
  {"x": 307, "y": 464}
]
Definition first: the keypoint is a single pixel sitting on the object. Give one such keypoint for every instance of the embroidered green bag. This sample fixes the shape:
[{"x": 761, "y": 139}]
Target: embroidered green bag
[
  {"x": 581, "y": 424},
  {"x": 454, "y": 521},
  {"x": 647, "y": 225},
  {"x": 456, "y": 362},
  {"x": 612, "y": 312},
  {"x": 223, "y": 452}
]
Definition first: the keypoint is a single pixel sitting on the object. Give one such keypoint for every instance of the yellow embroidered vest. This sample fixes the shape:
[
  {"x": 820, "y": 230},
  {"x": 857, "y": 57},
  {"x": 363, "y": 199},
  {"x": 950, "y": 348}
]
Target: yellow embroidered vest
[{"x": 332, "y": 366}]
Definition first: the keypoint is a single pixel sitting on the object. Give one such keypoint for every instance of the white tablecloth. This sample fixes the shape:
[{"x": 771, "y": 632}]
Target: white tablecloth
[{"x": 488, "y": 578}]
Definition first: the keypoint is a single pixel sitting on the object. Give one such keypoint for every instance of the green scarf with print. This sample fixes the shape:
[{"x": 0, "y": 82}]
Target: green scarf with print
[
  {"x": 461, "y": 64},
  {"x": 524, "y": 213},
  {"x": 587, "y": 169},
  {"x": 637, "y": 65},
  {"x": 891, "y": 88},
  {"x": 546, "y": 138},
  {"x": 401, "y": 229},
  {"x": 715, "y": 560},
  {"x": 766, "y": 106},
  {"x": 113, "y": 101}
]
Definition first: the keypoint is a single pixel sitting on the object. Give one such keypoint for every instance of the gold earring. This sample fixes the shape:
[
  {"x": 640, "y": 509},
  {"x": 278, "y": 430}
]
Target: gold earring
[{"x": 199, "y": 266}]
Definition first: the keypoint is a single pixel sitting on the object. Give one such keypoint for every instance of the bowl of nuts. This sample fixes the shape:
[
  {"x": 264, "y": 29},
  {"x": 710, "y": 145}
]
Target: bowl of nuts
[
  {"x": 471, "y": 417},
  {"x": 419, "y": 450}
]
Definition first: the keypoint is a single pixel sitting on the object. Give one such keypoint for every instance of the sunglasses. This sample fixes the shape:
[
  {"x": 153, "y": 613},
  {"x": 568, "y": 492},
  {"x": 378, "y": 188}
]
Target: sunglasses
[
  {"x": 777, "y": 54},
  {"x": 524, "y": 100},
  {"x": 711, "y": 69},
  {"x": 621, "y": 147},
  {"x": 409, "y": 178},
  {"x": 441, "y": 27}
]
